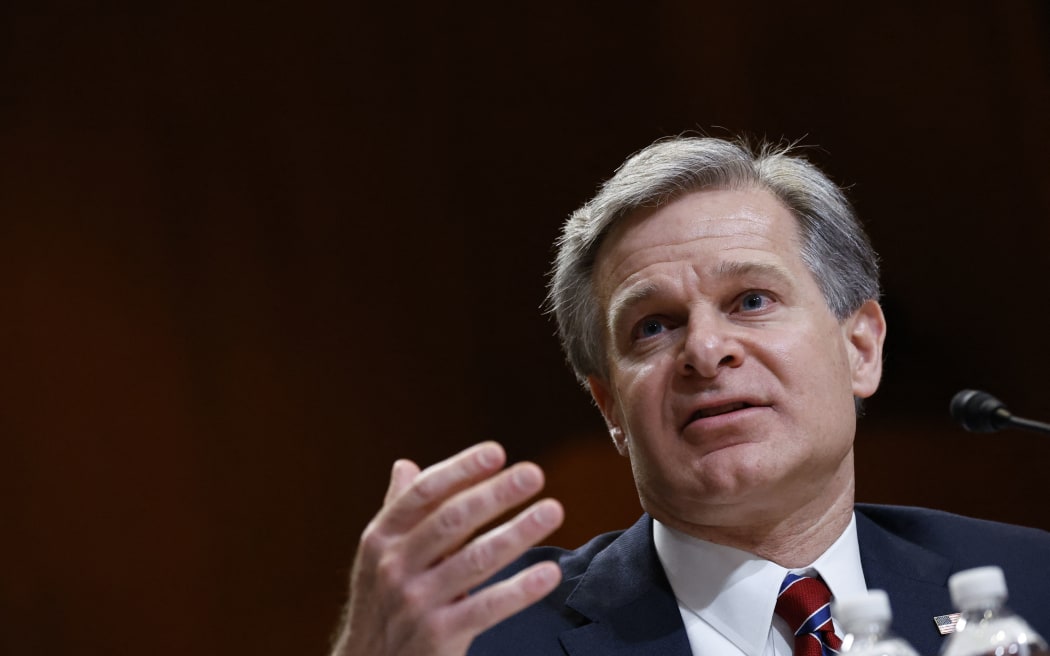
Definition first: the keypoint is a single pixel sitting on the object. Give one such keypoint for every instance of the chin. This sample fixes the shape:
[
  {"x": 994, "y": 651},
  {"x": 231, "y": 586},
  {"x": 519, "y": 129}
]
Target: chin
[{"x": 709, "y": 501}]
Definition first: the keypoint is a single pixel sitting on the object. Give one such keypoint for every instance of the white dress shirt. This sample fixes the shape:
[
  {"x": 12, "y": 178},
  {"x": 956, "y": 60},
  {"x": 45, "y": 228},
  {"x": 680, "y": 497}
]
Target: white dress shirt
[{"x": 726, "y": 596}]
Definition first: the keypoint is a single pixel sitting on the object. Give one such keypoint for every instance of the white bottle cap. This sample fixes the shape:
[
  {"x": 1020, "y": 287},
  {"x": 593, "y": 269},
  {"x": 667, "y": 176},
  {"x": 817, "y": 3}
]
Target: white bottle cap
[
  {"x": 857, "y": 612},
  {"x": 974, "y": 588}
]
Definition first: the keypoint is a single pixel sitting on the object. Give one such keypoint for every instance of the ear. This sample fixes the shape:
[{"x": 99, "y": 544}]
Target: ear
[
  {"x": 606, "y": 400},
  {"x": 865, "y": 335}
]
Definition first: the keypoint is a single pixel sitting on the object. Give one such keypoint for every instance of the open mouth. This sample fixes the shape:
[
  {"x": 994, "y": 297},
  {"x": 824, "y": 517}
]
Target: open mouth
[{"x": 718, "y": 410}]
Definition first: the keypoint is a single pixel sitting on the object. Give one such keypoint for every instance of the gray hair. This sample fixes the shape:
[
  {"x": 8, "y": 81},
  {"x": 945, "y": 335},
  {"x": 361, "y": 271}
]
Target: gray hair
[{"x": 834, "y": 246}]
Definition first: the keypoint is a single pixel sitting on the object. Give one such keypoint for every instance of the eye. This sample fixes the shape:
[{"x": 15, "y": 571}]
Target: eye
[
  {"x": 754, "y": 301},
  {"x": 649, "y": 327}
]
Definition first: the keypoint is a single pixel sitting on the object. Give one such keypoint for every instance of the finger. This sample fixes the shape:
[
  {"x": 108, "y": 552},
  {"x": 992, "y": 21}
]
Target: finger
[
  {"x": 480, "y": 611},
  {"x": 431, "y": 487},
  {"x": 456, "y": 520},
  {"x": 488, "y": 553},
  {"x": 401, "y": 476}
]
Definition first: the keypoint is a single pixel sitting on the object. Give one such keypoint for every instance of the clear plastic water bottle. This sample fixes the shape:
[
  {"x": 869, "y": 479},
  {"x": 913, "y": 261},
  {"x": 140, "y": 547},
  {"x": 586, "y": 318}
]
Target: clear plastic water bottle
[
  {"x": 866, "y": 620},
  {"x": 986, "y": 626}
]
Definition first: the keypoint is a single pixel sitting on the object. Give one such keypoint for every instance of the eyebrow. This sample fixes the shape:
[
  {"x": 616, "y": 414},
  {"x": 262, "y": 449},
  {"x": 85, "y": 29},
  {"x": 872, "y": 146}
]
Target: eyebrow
[
  {"x": 743, "y": 269},
  {"x": 622, "y": 304}
]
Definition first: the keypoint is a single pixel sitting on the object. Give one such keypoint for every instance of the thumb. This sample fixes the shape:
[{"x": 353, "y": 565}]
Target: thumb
[{"x": 401, "y": 476}]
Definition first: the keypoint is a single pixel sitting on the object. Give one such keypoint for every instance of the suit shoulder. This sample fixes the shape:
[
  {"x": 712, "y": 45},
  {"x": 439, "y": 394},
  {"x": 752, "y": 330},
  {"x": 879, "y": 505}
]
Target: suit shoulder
[
  {"x": 964, "y": 539},
  {"x": 927, "y": 522},
  {"x": 535, "y": 630},
  {"x": 573, "y": 562}
]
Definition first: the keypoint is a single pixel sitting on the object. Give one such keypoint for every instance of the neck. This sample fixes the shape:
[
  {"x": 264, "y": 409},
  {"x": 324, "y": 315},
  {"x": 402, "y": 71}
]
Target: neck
[{"x": 793, "y": 538}]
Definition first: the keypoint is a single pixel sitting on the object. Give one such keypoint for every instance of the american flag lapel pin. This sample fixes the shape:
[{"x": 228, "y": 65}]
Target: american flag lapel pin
[{"x": 946, "y": 623}]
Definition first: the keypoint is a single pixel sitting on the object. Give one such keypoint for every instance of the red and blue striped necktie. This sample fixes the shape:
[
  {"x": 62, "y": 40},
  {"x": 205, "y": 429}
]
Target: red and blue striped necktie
[{"x": 804, "y": 603}]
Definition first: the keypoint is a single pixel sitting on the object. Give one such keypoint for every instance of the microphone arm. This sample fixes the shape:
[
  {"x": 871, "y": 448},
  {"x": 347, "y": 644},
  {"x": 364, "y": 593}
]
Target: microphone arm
[
  {"x": 1029, "y": 424},
  {"x": 980, "y": 412}
]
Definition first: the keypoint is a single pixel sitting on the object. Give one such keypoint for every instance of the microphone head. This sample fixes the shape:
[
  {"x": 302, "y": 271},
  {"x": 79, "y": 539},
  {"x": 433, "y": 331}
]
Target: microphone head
[{"x": 979, "y": 412}]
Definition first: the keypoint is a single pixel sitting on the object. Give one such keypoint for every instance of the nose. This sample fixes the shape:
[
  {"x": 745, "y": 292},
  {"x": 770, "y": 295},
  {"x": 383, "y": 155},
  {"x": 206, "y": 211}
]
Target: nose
[{"x": 710, "y": 345}]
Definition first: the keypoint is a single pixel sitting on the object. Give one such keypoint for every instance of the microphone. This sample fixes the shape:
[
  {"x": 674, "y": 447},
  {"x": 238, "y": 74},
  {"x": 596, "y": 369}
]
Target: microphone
[{"x": 980, "y": 412}]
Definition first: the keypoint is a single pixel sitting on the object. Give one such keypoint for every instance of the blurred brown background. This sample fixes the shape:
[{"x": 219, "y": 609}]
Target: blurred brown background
[{"x": 250, "y": 255}]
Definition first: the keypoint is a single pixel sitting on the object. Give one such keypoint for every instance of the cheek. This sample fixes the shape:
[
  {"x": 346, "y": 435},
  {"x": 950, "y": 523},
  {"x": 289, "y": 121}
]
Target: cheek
[
  {"x": 649, "y": 443},
  {"x": 813, "y": 364},
  {"x": 640, "y": 394},
  {"x": 657, "y": 473}
]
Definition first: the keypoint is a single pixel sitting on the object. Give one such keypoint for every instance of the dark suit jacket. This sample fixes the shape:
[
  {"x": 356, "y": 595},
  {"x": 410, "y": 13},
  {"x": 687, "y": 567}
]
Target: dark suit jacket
[{"x": 615, "y": 600}]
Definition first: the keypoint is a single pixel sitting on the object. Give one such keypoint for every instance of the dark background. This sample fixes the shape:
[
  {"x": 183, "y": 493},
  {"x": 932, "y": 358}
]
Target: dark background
[{"x": 250, "y": 255}]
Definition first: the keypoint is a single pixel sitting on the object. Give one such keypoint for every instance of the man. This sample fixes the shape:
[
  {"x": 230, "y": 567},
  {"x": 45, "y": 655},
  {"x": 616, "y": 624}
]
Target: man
[{"x": 722, "y": 307}]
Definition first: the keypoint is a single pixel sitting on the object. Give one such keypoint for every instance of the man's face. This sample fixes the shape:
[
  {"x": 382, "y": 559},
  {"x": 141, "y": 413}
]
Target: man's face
[{"x": 731, "y": 384}]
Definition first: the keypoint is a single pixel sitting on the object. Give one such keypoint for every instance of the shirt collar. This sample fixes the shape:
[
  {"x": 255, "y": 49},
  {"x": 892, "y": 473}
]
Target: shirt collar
[{"x": 735, "y": 591}]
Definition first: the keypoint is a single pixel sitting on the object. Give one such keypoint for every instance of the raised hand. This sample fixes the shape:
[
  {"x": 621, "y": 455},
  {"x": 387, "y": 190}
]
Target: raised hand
[{"x": 419, "y": 556}]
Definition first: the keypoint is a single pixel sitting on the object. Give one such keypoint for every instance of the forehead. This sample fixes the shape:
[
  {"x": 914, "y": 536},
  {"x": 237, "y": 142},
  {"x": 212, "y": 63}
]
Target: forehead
[{"x": 707, "y": 230}]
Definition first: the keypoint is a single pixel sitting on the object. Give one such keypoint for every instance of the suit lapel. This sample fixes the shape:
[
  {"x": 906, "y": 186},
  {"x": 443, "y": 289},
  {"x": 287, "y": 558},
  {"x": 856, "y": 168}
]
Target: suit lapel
[
  {"x": 625, "y": 595},
  {"x": 915, "y": 579},
  {"x": 632, "y": 611}
]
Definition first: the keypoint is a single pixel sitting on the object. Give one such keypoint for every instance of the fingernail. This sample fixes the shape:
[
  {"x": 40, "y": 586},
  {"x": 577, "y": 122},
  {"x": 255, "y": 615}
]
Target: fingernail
[
  {"x": 525, "y": 478},
  {"x": 544, "y": 515},
  {"x": 487, "y": 456},
  {"x": 546, "y": 575}
]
